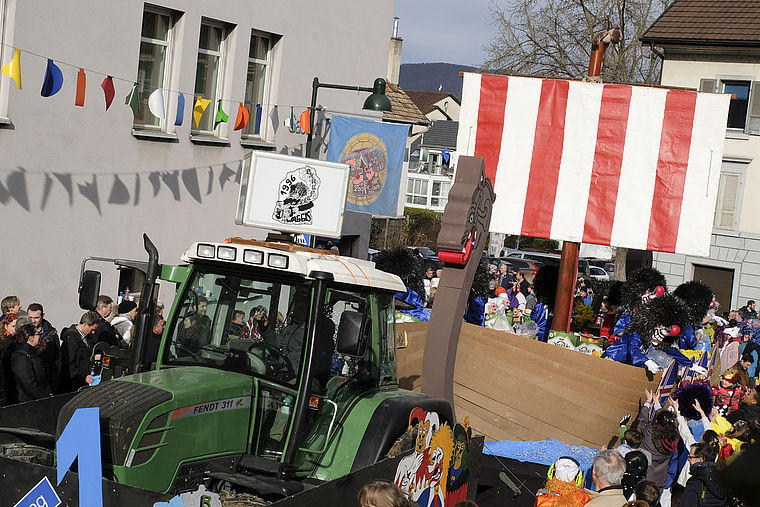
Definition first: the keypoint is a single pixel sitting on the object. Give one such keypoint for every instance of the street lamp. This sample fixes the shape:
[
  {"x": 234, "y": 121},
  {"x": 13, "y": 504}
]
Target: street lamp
[{"x": 378, "y": 101}]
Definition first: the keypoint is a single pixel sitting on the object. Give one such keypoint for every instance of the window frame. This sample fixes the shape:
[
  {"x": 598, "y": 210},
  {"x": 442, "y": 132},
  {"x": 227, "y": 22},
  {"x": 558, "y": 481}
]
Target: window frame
[
  {"x": 246, "y": 134},
  {"x": 196, "y": 131},
  {"x": 752, "y": 118},
  {"x": 730, "y": 167},
  {"x": 424, "y": 194},
  {"x": 165, "y": 125},
  {"x": 6, "y": 52}
]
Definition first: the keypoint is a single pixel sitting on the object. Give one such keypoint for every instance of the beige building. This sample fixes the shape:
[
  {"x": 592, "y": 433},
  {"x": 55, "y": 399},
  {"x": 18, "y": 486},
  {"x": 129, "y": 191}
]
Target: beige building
[{"x": 714, "y": 46}]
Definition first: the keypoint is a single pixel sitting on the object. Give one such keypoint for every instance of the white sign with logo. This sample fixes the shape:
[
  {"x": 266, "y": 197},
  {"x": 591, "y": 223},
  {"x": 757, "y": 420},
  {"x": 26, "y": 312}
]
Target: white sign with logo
[{"x": 292, "y": 194}]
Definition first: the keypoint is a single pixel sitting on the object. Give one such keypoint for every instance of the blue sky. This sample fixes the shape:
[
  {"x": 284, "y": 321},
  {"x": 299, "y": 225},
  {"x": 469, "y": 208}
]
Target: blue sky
[{"x": 451, "y": 31}]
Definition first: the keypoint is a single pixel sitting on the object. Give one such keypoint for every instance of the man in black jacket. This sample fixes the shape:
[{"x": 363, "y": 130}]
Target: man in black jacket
[
  {"x": 105, "y": 331},
  {"x": 49, "y": 346},
  {"x": 704, "y": 487},
  {"x": 75, "y": 354}
]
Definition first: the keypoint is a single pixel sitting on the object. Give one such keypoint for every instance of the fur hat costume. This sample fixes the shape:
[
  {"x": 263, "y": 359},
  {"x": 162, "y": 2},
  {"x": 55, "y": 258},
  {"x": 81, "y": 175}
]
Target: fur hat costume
[
  {"x": 643, "y": 284},
  {"x": 545, "y": 285},
  {"x": 698, "y": 297},
  {"x": 402, "y": 262},
  {"x": 659, "y": 321},
  {"x": 615, "y": 295},
  {"x": 688, "y": 394},
  {"x": 480, "y": 283}
]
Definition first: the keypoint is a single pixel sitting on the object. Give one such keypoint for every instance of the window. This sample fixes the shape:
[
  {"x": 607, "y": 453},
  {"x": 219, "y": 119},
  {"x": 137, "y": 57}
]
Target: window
[
  {"x": 209, "y": 71},
  {"x": 6, "y": 53},
  {"x": 256, "y": 83},
  {"x": 416, "y": 192},
  {"x": 730, "y": 190},
  {"x": 440, "y": 194},
  {"x": 744, "y": 110},
  {"x": 153, "y": 67}
]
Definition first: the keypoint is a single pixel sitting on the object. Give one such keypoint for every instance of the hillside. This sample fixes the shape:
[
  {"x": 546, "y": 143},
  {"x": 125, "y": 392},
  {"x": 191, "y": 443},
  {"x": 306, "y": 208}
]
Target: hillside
[{"x": 428, "y": 77}]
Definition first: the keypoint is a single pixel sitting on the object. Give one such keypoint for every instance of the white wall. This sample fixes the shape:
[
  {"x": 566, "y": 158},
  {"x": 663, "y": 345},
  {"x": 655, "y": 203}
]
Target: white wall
[{"x": 43, "y": 247}]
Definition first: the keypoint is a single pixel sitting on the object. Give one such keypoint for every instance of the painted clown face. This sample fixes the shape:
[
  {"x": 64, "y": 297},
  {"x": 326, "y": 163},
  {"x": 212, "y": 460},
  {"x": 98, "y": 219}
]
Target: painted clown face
[
  {"x": 422, "y": 433},
  {"x": 664, "y": 331}
]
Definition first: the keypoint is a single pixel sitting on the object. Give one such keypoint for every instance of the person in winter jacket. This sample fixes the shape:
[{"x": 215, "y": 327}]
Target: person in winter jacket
[
  {"x": 75, "y": 354},
  {"x": 124, "y": 322},
  {"x": 660, "y": 438},
  {"x": 705, "y": 487},
  {"x": 27, "y": 367},
  {"x": 49, "y": 346},
  {"x": 105, "y": 331}
]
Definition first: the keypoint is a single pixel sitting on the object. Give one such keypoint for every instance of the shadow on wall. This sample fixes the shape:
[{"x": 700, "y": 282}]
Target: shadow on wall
[{"x": 194, "y": 180}]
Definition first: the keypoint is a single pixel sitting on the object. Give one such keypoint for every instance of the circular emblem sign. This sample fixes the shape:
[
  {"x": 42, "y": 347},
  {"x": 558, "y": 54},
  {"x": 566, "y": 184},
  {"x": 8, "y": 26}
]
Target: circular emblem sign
[{"x": 366, "y": 155}]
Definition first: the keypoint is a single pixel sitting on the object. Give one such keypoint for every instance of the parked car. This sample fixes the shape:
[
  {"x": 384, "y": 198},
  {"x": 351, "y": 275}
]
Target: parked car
[
  {"x": 609, "y": 267},
  {"x": 598, "y": 273}
]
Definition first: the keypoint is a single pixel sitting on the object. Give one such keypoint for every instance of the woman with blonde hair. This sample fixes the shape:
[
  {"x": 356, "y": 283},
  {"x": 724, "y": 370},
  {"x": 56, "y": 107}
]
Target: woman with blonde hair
[{"x": 383, "y": 494}]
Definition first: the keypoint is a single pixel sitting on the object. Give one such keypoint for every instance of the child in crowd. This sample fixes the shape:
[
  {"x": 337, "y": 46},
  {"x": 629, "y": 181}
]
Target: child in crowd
[{"x": 728, "y": 393}]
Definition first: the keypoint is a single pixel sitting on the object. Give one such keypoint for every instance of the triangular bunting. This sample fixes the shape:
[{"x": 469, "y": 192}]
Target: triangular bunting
[
  {"x": 133, "y": 100},
  {"x": 109, "y": 93},
  {"x": 180, "y": 110},
  {"x": 156, "y": 103},
  {"x": 221, "y": 116},
  {"x": 200, "y": 107},
  {"x": 13, "y": 68},
  {"x": 81, "y": 88},
  {"x": 53, "y": 80},
  {"x": 242, "y": 117}
]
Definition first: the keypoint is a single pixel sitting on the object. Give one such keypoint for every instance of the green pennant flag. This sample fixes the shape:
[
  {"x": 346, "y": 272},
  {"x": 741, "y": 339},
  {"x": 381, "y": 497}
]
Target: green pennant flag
[
  {"x": 221, "y": 116},
  {"x": 133, "y": 100}
]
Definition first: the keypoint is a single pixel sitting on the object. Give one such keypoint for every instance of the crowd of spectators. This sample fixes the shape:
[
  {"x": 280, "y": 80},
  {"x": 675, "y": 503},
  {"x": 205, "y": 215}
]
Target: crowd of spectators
[{"x": 37, "y": 361}]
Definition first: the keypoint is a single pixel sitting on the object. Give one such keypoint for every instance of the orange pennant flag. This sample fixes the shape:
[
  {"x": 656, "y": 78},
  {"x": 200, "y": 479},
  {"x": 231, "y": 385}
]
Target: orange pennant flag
[
  {"x": 305, "y": 122},
  {"x": 81, "y": 86},
  {"x": 242, "y": 117}
]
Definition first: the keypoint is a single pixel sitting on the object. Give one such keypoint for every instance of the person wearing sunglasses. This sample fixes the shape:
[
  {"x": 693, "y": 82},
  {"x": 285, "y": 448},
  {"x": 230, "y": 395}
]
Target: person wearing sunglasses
[{"x": 705, "y": 486}]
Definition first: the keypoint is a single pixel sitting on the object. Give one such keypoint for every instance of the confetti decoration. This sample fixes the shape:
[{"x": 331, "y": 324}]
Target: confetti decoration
[{"x": 81, "y": 87}]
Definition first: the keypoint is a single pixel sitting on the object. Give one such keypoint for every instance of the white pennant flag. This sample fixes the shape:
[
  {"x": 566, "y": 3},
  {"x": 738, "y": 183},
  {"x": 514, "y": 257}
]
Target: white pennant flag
[{"x": 156, "y": 103}]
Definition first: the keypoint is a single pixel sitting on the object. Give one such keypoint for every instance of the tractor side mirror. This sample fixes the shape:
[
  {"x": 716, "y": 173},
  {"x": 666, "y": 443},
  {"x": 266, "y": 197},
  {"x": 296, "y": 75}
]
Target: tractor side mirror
[
  {"x": 89, "y": 289},
  {"x": 353, "y": 333}
]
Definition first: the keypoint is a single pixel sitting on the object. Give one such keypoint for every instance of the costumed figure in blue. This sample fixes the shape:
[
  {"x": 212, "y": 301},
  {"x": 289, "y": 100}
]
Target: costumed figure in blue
[
  {"x": 410, "y": 268},
  {"x": 545, "y": 287},
  {"x": 476, "y": 301},
  {"x": 655, "y": 320}
]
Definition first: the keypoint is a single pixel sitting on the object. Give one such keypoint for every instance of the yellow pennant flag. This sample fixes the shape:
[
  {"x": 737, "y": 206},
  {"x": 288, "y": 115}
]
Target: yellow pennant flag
[
  {"x": 200, "y": 107},
  {"x": 13, "y": 69}
]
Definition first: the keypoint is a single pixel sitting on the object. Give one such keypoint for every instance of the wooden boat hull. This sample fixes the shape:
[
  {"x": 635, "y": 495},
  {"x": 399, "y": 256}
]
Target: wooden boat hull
[{"x": 515, "y": 388}]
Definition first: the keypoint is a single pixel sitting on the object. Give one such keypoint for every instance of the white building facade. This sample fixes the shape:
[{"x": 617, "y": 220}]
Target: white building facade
[
  {"x": 79, "y": 181},
  {"x": 709, "y": 52}
]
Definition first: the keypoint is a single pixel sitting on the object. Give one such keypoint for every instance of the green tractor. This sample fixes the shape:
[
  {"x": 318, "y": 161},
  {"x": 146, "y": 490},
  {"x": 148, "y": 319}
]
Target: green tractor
[{"x": 304, "y": 392}]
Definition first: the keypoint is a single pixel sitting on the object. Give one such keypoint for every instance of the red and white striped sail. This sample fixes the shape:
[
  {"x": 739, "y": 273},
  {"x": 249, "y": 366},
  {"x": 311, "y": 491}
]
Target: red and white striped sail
[{"x": 606, "y": 164}]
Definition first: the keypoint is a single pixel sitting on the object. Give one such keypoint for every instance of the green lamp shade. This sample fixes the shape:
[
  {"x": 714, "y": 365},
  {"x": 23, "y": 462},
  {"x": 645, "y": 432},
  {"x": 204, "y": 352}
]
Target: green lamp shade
[{"x": 378, "y": 101}]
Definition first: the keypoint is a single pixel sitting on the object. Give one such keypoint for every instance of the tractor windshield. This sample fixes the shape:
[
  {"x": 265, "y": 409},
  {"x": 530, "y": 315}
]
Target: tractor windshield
[{"x": 241, "y": 324}]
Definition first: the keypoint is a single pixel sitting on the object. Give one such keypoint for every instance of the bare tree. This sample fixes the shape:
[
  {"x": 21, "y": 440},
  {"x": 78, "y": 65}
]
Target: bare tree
[{"x": 553, "y": 38}]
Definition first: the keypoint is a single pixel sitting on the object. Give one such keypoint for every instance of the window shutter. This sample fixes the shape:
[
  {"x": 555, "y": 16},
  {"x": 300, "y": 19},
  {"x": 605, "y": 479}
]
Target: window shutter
[
  {"x": 728, "y": 201},
  {"x": 708, "y": 85},
  {"x": 753, "y": 111}
]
